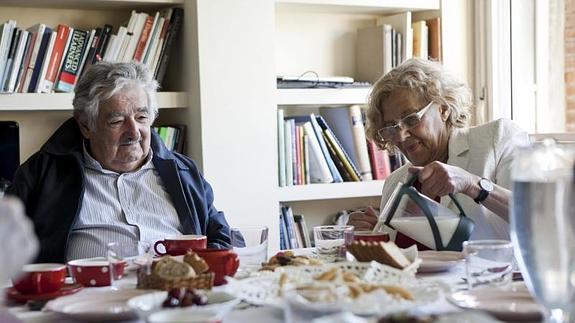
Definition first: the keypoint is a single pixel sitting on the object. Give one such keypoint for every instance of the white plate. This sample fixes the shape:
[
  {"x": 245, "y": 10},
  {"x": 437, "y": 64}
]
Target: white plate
[
  {"x": 219, "y": 303},
  {"x": 513, "y": 305},
  {"x": 96, "y": 304},
  {"x": 437, "y": 261}
]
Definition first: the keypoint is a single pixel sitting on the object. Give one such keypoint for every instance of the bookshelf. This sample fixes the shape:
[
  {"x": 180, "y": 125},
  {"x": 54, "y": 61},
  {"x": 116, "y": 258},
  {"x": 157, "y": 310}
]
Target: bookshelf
[{"x": 221, "y": 84}]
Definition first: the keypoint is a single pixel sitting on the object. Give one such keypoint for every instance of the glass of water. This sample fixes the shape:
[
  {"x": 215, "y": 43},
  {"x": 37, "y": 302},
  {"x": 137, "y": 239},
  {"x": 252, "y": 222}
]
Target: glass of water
[
  {"x": 488, "y": 263},
  {"x": 136, "y": 255},
  {"x": 331, "y": 241},
  {"x": 251, "y": 245}
]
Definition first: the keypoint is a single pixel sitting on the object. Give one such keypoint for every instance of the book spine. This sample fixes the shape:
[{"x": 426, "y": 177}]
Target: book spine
[
  {"x": 297, "y": 155},
  {"x": 10, "y": 61},
  {"x": 338, "y": 163},
  {"x": 8, "y": 29},
  {"x": 103, "y": 43},
  {"x": 55, "y": 58},
  {"x": 379, "y": 160},
  {"x": 23, "y": 43},
  {"x": 318, "y": 168},
  {"x": 72, "y": 61},
  {"x": 329, "y": 160},
  {"x": 144, "y": 35},
  {"x": 291, "y": 228},
  {"x": 152, "y": 35},
  {"x": 359, "y": 142},
  {"x": 306, "y": 140},
  {"x": 46, "y": 62},
  {"x": 281, "y": 148},
  {"x": 282, "y": 232},
  {"x": 27, "y": 56},
  {"x": 340, "y": 152},
  {"x": 288, "y": 152},
  {"x": 175, "y": 25}
]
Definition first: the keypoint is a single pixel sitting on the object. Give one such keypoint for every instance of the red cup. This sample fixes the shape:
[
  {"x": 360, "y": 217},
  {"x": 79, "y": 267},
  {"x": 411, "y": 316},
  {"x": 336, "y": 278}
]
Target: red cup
[
  {"x": 223, "y": 262},
  {"x": 41, "y": 279},
  {"x": 179, "y": 245},
  {"x": 370, "y": 236},
  {"x": 92, "y": 272}
]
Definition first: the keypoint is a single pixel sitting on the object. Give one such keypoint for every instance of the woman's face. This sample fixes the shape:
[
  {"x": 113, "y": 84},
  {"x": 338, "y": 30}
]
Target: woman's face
[{"x": 425, "y": 142}]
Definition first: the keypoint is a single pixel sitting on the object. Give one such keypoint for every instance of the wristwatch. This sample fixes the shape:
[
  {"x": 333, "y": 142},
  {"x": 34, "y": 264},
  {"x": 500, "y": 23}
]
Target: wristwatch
[{"x": 486, "y": 187}]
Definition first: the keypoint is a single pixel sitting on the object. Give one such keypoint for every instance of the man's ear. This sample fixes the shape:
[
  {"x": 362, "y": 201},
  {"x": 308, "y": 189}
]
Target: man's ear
[
  {"x": 445, "y": 113},
  {"x": 83, "y": 125}
]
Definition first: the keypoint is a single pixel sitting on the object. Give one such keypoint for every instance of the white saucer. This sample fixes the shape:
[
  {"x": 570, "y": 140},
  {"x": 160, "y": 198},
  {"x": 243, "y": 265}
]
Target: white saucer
[
  {"x": 437, "y": 261},
  {"x": 513, "y": 305}
]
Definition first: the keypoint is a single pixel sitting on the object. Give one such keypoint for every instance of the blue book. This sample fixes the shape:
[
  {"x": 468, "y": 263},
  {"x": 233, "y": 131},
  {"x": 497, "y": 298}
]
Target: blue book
[
  {"x": 39, "y": 60},
  {"x": 283, "y": 229}
]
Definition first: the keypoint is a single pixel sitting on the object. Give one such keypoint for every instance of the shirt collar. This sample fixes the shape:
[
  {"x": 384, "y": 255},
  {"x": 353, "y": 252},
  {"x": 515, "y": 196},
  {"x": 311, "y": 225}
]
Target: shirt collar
[{"x": 93, "y": 164}]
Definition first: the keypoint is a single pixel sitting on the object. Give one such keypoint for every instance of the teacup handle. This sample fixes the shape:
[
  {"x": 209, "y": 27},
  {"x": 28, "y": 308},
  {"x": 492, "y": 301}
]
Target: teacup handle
[{"x": 158, "y": 252}]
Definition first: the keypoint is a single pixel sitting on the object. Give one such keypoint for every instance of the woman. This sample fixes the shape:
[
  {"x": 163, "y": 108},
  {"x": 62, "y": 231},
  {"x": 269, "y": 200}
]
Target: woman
[{"x": 423, "y": 111}]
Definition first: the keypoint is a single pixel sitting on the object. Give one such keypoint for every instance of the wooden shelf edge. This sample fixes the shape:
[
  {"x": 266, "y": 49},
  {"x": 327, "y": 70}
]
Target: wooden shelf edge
[
  {"x": 322, "y": 96},
  {"x": 312, "y": 192},
  {"x": 63, "y": 101}
]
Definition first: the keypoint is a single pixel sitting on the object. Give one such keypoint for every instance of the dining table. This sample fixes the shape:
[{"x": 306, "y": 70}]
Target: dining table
[{"x": 453, "y": 277}]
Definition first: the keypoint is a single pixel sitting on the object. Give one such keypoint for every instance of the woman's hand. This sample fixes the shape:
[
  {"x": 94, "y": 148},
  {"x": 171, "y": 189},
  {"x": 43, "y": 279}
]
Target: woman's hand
[
  {"x": 363, "y": 221},
  {"x": 439, "y": 179}
]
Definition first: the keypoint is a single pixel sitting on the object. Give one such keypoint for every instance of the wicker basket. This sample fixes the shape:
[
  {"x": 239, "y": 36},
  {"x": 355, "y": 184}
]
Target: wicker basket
[{"x": 201, "y": 281}]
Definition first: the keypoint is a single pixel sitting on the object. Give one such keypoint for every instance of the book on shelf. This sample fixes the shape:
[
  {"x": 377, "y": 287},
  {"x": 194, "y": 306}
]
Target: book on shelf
[
  {"x": 288, "y": 126},
  {"x": 352, "y": 174},
  {"x": 281, "y": 148},
  {"x": 47, "y": 84},
  {"x": 379, "y": 160},
  {"x": 6, "y": 30},
  {"x": 17, "y": 68},
  {"x": 297, "y": 155},
  {"x": 38, "y": 51},
  {"x": 301, "y": 226},
  {"x": 144, "y": 37},
  {"x": 434, "y": 38},
  {"x": 33, "y": 34},
  {"x": 288, "y": 218},
  {"x": 346, "y": 122},
  {"x": 401, "y": 23},
  {"x": 170, "y": 39},
  {"x": 420, "y": 38},
  {"x": 16, "y": 34},
  {"x": 173, "y": 136},
  {"x": 284, "y": 244},
  {"x": 373, "y": 52},
  {"x": 72, "y": 61}
]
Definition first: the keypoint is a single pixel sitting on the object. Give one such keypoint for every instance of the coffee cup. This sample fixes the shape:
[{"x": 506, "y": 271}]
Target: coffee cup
[
  {"x": 179, "y": 245},
  {"x": 223, "y": 262},
  {"x": 94, "y": 271},
  {"x": 40, "y": 279},
  {"x": 370, "y": 236}
]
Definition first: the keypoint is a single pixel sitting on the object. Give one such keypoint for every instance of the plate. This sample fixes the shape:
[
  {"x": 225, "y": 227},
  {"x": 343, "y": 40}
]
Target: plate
[
  {"x": 13, "y": 294},
  {"x": 219, "y": 303},
  {"x": 438, "y": 261},
  {"x": 96, "y": 304},
  {"x": 512, "y": 305}
]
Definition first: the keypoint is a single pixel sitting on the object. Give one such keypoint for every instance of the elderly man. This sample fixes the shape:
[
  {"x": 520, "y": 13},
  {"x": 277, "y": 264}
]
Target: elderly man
[{"x": 105, "y": 176}]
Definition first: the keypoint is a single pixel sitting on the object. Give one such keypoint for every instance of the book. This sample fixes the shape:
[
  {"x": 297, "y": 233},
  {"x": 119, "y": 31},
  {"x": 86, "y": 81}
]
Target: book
[
  {"x": 7, "y": 29},
  {"x": 281, "y": 149},
  {"x": 290, "y": 225},
  {"x": 23, "y": 43},
  {"x": 144, "y": 36},
  {"x": 401, "y": 22},
  {"x": 301, "y": 224},
  {"x": 10, "y": 59},
  {"x": 434, "y": 38},
  {"x": 288, "y": 152},
  {"x": 103, "y": 42},
  {"x": 23, "y": 64},
  {"x": 420, "y": 46},
  {"x": 318, "y": 168},
  {"x": 55, "y": 59},
  {"x": 346, "y": 123},
  {"x": 46, "y": 62},
  {"x": 151, "y": 35},
  {"x": 329, "y": 160},
  {"x": 173, "y": 30},
  {"x": 373, "y": 53},
  {"x": 43, "y": 33},
  {"x": 283, "y": 232},
  {"x": 341, "y": 154},
  {"x": 166, "y": 15},
  {"x": 72, "y": 61},
  {"x": 379, "y": 160}
]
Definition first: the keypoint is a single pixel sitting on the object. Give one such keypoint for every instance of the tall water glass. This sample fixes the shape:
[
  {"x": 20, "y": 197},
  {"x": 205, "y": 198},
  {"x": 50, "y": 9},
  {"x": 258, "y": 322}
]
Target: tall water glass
[
  {"x": 543, "y": 225},
  {"x": 331, "y": 241},
  {"x": 136, "y": 255}
]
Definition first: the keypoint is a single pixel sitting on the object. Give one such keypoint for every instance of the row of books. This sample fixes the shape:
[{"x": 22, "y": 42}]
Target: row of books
[
  {"x": 393, "y": 40},
  {"x": 328, "y": 148},
  {"x": 293, "y": 230},
  {"x": 41, "y": 59},
  {"x": 173, "y": 136}
]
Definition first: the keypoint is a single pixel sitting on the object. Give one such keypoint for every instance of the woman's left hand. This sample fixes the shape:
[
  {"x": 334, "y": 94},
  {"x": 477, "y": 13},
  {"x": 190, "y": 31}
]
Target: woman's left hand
[{"x": 439, "y": 179}]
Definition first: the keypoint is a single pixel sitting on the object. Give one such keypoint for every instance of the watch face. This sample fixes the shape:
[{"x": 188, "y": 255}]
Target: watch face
[{"x": 486, "y": 184}]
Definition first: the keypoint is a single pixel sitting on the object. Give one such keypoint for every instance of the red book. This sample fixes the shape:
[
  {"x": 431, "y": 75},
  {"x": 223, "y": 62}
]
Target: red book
[
  {"x": 143, "y": 38},
  {"x": 379, "y": 160},
  {"x": 56, "y": 58}
]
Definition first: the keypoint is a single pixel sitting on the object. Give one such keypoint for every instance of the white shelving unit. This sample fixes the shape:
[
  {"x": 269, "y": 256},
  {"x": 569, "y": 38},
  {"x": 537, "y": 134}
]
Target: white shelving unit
[
  {"x": 322, "y": 96},
  {"x": 359, "y": 6},
  {"x": 314, "y": 192},
  {"x": 63, "y": 101}
]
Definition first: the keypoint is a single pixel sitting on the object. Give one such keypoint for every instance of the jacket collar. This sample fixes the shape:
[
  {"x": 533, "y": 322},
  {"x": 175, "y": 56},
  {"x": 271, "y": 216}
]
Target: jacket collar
[
  {"x": 458, "y": 146},
  {"x": 68, "y": 140}
]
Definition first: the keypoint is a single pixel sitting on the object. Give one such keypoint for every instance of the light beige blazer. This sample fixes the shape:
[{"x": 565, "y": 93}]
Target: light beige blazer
[{"x": 486, "y": 151}]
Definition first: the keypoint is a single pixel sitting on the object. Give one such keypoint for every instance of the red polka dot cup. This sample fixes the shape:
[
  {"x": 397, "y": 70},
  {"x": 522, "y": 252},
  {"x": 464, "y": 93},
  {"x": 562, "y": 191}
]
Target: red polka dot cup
[
  {"x": 39, "y": 279},
  {"x": 179, "y": 245},
  {"x": 92, "y": 272}
]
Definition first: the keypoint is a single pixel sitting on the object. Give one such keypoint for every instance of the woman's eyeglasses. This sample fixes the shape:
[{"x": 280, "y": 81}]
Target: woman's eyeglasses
[{"x": 407, "y": 123}]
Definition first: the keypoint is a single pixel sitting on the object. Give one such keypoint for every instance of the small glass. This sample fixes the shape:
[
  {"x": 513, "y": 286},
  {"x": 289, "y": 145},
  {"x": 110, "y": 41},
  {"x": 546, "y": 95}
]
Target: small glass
[
  {"x": 251, "y": 245},
  {"x": 331, "y": 241},
  {"x": 136, "y": 255},
  {"x": 489, "y": 263}
]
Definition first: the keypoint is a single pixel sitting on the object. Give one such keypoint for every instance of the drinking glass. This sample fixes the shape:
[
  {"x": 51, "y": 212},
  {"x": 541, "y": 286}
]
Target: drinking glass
[
  {"x": 251, "y": 245},
  {"x": 136, "y": 255},
  {"x": 488, "y": 263},
  {"x": 331, "y": 241},
  {"x": 543, "y": 225}
]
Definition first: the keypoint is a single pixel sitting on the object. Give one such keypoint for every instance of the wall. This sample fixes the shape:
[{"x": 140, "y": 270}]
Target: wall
[{"x": 570, "y": 64}]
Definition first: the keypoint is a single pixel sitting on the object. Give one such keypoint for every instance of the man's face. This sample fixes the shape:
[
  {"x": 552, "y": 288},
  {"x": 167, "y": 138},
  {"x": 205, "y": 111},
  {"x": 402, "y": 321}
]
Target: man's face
[{"x": 121, "y": 139}]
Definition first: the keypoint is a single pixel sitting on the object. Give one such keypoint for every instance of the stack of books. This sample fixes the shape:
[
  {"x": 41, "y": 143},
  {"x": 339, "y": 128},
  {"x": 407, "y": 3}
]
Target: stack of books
[
  {"x": 293, "y": 230},
  {"x": 42, "y": 59},
  {"x": 173, "y": 136}
]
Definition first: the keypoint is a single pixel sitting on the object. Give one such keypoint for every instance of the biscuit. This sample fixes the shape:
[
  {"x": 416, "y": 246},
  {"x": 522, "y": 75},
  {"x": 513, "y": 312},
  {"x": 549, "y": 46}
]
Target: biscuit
[{"x": 197, "y": 262}]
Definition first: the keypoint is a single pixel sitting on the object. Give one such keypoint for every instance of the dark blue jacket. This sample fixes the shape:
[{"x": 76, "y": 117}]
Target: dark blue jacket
[{"x": 51, "y": 185}]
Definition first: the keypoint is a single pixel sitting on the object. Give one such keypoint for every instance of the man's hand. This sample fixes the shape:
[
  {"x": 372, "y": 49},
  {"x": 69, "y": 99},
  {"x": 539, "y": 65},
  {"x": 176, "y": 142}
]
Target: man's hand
[
  {"x": 363, "y": 221},
  {"x": 439, "y": 179}
]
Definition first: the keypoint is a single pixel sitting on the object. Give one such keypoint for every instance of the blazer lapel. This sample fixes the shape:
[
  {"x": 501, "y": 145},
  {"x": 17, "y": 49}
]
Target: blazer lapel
[{"x": 458, "y": 156}]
